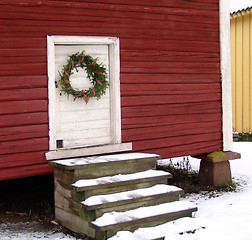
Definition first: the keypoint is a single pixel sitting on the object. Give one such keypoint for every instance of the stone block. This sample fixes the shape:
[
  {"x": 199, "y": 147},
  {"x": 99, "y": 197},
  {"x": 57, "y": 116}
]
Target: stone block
[{"x": 216, "y": 174}]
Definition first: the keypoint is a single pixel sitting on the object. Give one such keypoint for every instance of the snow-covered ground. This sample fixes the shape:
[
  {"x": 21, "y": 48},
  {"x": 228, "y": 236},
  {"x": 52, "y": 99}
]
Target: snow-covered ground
[{"x": 226, "y": 215}]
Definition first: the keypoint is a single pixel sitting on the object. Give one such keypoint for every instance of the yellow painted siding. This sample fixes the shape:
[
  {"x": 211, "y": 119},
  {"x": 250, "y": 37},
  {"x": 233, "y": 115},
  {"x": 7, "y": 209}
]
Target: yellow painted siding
[{"x": 241, "y": 58}]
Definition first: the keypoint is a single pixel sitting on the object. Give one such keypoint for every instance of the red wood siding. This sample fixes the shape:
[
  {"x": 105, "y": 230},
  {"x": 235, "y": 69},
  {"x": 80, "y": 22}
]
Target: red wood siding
[{"x": 170, "y": 74}]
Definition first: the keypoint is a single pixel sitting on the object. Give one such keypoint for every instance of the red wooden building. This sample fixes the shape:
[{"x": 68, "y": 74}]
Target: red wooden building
[{"x": 173, "y": 57}]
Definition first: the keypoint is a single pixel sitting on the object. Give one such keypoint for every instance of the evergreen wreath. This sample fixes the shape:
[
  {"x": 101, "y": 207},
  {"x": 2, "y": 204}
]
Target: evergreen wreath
[{"x": 96, "y": 73}]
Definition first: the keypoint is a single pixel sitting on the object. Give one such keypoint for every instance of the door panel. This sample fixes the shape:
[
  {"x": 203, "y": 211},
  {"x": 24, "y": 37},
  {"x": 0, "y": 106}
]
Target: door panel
[{"x": 79, "y": 124}]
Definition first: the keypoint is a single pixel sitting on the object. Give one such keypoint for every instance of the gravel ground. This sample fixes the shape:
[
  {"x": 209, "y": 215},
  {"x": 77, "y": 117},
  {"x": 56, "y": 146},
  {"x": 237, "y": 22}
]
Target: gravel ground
[{"x": 15, "y": 226}]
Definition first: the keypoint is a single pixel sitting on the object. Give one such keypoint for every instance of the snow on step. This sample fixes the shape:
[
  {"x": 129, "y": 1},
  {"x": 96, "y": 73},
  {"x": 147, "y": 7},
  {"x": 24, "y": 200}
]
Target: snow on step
[
  {"x": 106, "y": 158},
  {"x": 120, "y": 178},
  {"x": 171, "y": 230},
  {"x": 122, "y": 196},
  {"x": 113, "y": 218}
]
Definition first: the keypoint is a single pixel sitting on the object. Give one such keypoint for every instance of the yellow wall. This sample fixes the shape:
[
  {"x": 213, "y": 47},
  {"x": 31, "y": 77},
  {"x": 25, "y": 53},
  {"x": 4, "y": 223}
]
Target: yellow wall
[{"x": 241, "y": 57}]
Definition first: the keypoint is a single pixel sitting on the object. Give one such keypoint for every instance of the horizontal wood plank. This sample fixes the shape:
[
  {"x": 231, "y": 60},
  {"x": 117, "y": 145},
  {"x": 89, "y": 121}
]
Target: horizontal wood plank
[
  {"x": 25, "y": 171},
  {"x": 175, "y": 141},
  {"x": 171, "y": 131},
  {"x": 169, "y": 78},
  {"x": 188, "y": 149},
  {"x": 23, "y": 132},
  {"x": 24, "y": 145},
  {"x": 23, "y": 119},
  {"x": 23, "y": 82},
  {"x": 14, "y": 107},
  {"x": 23, "y": 94},
  {"x": 171, "y": 109},
  {"x": 160, "y": 89},
  {"x": 168, "y": 99},
  {"x": 22, "y": 159}
]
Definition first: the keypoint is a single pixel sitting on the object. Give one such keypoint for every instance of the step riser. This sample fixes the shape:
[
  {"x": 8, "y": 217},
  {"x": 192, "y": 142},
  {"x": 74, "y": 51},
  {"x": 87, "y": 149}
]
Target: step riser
[
  {"x": 148, "y": 201},
  {"x": 70, "y": 201},
  {"x": 75, "y": 207},
  {"x": 150, "y": 222},
  {"x": 74, "y": 223},
  {"x": 114, "y": 188},
  {"x": 72, "y": 174}
]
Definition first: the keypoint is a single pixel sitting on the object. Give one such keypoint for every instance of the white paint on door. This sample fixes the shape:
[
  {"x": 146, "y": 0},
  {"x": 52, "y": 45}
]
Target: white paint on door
[{"x": 79, "y": 124}]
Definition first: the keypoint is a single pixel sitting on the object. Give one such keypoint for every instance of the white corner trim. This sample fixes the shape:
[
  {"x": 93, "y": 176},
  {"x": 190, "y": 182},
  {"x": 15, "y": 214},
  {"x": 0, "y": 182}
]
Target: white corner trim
[
  {"x": 81, "y": 152},
  {"x": 226, "y": 75}
]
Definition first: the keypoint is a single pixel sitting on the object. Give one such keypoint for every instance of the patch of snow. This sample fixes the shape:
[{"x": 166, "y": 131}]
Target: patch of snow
[
  {"x": 101, "y": 159},
  {"x": 171, "y": 230},
  {"x": 111, "y": 218},
  {"x": 226, "y": 215},
  {"x": 30, "y": 231},
  {"x": 119, "y": 178},
  {"x": 109, "y": 198}
]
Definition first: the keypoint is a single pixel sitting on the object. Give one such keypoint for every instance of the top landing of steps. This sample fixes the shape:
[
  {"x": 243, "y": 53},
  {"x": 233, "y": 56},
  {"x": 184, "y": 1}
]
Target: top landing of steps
[
  {"x": 106, "y": 165},
  {"x": 73, "y": 163}
]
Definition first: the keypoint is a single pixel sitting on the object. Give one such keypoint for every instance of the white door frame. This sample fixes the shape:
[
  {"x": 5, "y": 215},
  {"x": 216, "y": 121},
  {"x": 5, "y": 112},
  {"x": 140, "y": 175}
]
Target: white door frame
[{"x": 114, "y": 73}]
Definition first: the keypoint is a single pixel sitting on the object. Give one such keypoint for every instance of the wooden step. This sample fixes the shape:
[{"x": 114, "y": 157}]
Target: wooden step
[
  {"x": 109, "y": 223},
  {"x": 123, "y": 201},
  {"x": 106, "y": 165},
  {"x": 121, "y": 182}
]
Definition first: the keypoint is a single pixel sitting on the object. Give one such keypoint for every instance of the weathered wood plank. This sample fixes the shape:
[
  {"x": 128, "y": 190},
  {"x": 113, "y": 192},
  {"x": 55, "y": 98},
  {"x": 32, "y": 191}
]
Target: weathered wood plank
[
  {"x": 168, "y": 99},
  {"x": 23, "y": 68},
  {"x": 21, "y": 159},
  {"x": 23, "y": 82},
  {"x": 171, "y": 109},
  {"x": 169, "y": 78},
  {"x": 142, "y": 133},
  {"x": 23, "y": 132},
  {"x": 176, "y": 141},
  {"x": 24, "y": 145},
  {"x": 16, "y": 107},
  {"x": 25, "y": 171},
  {"x": 170, "y": 89},
  {"x": 23, "y": 119},
  {"x": 149, "y": 6},
  {"x": 187, "y": 149},
  {"x": 167, "y": 56},
  {"x": 23, "y": 94}
]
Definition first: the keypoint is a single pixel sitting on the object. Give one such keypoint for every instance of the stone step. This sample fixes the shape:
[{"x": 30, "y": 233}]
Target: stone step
[
  {"x": 123, "y": 201},
  {"x": 121, "y": 182},
  {"x": 109, "y": 223},
  {"x": 106, "y": 165}
]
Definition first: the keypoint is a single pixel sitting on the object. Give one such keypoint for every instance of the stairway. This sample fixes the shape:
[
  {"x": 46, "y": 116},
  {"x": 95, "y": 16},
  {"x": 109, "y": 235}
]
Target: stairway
[{"x": 98, "y": 196}]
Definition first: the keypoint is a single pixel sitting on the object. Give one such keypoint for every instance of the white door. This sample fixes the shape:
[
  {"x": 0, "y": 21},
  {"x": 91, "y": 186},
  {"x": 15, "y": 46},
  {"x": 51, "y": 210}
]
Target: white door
[
  {"x": 77, "y": 128},
  {"x": 79, "y": 124}
]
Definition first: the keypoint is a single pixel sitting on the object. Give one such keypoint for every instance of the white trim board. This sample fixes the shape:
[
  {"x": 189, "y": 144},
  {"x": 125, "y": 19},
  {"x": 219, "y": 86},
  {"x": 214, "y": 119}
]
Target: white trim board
[
  {"x": 81, "y": 152},
  {"x": 114, "y": 62},
  {"x": 226, "y": 75}
]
